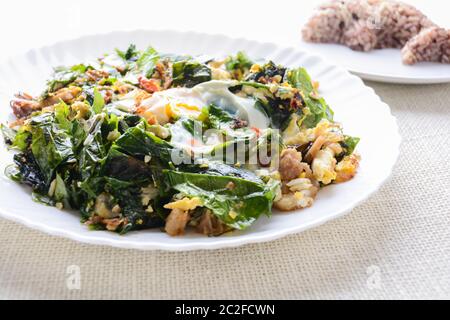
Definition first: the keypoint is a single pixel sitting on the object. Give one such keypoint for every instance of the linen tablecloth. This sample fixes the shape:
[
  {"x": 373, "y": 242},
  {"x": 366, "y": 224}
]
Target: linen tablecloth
[{"x": 395, "y": 245}]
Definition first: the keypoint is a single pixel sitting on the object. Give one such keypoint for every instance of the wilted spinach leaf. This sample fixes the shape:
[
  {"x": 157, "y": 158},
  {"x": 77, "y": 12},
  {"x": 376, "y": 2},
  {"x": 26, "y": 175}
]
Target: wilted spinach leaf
[
  {"x": 94, "y": 149},
  {"x": 268, "y": 70},
  {"x": 350, "y": 144},
  {"x": 131, "y": 52},
  {"x": 62, "y": 77},
  {"x": 147, "y": 61},
  {"x": 239, "y": 64},
  {"x": 128, "y": 195},
  {"x": 139, "y": 143},
  {"x": 50, "y": 145},
  {"x": 318, "y": 108},
  {"x": 27, "y": 171},
  {"x": 189, "y": 73},
  {"x": 98, "y": 102},
  {"x": 235, "y": 201},
  {"x": 121, "y": 166}
]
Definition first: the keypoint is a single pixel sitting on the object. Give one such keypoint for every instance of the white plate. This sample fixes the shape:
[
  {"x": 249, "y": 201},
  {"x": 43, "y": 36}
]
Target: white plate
[
  {"x": 380, "y": 65},
  {"x": 356, "y": 105}
]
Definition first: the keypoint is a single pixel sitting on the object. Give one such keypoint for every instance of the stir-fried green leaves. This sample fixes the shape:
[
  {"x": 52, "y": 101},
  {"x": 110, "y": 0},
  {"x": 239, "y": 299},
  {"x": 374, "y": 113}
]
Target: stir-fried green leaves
[
  {"x": 130, "y": 53},
  {"x": 188, "y": 73},
  {"x": 139, "y": 143},
  {"x": 239, "y": 65},
  {"x": 237, "y": 202},
  {"x": 317, "y": 107},
  {"x": 62, "y": 77},
  {"x": 94, "y": 148},
  {"x": 124, "y": 167},
  {"x": 218, "y": 117},
  {"x": 50, "y": 145},
  {"x": 60, "y": 191},
  {"x": 267, "y": 71},
  {"x": 147, "y": 61},
  {"x": 105, "y": 139},
  {"x": 27, "y": 171},
  {"x": 350, "y": 144},
  {"x": 19, "y": 139},
  {"x": 99, "y": 102}
]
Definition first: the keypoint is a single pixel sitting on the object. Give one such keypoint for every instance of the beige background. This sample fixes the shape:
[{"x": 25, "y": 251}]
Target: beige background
[{"x": 395, "y": 245}]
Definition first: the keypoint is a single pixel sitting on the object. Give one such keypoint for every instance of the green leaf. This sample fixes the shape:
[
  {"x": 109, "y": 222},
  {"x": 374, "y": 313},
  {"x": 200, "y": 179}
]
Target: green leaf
[
  {"x": 128, "y": 196},
  {"x": 235, "y": 201},
  {"x": 129, "y": 53},
  {"x": 22, "y": 139},
  {"x": 222, "y": 169},
  {"x": 93, "y": 151},
  {"x": 147, "y": 61},
  {"x": 19, "y": 139},
  {"x": 61, "y": 194},
  {"x": 62, "y": 112},
  {"x": 217, "y": 117},
  {"x": 239, "y": 64},
  {"x": 9, "y": 134},
  {"x": 350, "y": 144},
  {"x": 194, "y": 127},
  {"x": 27, "y": 171},
  {"x": 42, "y": 199},
  {"x": 121, "y": 166},
  {"x": 277, "y": 110},
  {"x": 300, "y": 79},
  {"x": 98, "y": 103},
  {"x": 268, "y": 70},
  {"x": 279, "y": 117},
  {"x": 78, "y": 134},
  {"x": 139, "y": 143},
  {"x": 189, "y": 73},
  {"x": 51, "y": 147},
  {"x": 318, "y": 108},
  {"x": 62, "y": 77}
]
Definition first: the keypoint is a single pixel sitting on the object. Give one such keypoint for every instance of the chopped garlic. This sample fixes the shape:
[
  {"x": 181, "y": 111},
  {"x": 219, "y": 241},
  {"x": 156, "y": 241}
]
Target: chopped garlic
[
  {"x": 232, "y": 214},
  {"x": 113, "y": 135}
]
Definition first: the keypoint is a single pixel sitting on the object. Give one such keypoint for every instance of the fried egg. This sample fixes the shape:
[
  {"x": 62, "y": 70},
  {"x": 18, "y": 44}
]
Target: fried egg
[{"x": 189, "y": 102}]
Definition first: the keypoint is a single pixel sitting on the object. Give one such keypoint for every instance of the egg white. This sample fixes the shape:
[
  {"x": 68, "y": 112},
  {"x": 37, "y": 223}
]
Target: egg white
[{"x": 188, "y": 102}]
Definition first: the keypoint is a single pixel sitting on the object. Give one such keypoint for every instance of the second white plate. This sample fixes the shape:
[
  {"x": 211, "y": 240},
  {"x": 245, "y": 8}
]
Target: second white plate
[{"x": 380, "y": 65}]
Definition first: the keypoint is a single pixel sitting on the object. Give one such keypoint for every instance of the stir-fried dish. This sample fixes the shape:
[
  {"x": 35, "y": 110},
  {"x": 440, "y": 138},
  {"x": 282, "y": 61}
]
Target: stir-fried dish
[{"x": 138, "y": 139}]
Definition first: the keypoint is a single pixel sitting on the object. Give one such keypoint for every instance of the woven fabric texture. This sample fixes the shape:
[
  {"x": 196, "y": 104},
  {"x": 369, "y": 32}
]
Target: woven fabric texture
[{"x": 395, "y": 245}]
